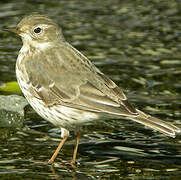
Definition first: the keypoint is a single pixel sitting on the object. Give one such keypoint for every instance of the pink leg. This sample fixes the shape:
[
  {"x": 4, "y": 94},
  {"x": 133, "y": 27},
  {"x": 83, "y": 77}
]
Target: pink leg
[
  {"x": 75, "y": 148},
  {"x": 51, "y": 161}
]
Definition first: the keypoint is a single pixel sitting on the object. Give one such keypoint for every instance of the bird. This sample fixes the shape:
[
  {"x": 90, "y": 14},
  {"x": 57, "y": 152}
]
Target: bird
[{"x": 65, "y": 88}]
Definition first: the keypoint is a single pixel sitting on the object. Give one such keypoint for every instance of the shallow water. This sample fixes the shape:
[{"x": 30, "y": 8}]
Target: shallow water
[{"x": 137, "y": 44}]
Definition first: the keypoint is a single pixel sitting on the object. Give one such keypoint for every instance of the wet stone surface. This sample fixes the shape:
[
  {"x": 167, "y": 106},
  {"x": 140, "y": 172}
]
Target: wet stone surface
[{"x": 12, "y": 110}]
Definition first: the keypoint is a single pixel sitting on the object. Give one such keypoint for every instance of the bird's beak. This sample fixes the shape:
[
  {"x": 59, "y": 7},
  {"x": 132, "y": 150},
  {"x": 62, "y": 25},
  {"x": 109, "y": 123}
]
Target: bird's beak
[{"x": 14, "y": 30}]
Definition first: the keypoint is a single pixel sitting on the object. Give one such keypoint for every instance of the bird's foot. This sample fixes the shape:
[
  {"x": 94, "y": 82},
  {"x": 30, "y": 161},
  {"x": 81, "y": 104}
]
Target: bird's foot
[
  {"x": 50, "y": 162},
  {"x": 73, "y": 163}
]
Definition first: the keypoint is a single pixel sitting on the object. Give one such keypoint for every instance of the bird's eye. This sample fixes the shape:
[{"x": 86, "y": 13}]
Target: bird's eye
[{"x": 37, "y": 30}]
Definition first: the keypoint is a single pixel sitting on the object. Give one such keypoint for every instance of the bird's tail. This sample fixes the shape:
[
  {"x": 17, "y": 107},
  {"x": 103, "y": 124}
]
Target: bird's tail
[{"x": 157, "y": 124}]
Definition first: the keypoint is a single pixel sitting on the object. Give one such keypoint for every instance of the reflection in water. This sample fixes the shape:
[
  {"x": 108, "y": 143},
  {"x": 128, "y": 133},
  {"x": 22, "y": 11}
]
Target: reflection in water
[{"x": 134, "y": 44}]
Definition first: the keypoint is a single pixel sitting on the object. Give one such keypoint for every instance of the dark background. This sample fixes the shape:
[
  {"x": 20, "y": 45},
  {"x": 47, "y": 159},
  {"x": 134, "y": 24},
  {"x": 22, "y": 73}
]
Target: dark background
[{"x": 137, "y": 44}]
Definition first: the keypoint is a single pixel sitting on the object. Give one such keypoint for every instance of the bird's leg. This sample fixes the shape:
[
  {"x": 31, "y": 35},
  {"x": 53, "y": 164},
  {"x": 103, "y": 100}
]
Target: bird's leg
[
  {"x": 76, "y": 147},
  {"x": 51, "y": 161}
]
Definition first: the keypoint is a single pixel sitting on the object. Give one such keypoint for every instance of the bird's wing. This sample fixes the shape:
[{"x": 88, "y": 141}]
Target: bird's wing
[{"x": 62, "y": 75}]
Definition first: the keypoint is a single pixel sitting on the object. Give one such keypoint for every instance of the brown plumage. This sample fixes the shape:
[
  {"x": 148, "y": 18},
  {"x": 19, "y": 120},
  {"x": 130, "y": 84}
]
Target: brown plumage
[{"x": 64, "y": 87}]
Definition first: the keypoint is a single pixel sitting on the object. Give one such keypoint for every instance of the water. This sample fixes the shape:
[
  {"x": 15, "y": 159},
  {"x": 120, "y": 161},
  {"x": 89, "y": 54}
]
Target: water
[{"x": 137, "y": 44}]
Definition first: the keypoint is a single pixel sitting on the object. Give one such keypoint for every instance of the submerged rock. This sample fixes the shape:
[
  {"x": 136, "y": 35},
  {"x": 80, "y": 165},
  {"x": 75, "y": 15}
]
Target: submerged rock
[{"x": 12, "y": 110}]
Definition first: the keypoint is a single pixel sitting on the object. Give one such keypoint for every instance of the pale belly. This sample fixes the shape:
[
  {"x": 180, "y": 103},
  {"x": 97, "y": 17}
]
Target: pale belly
[{"x": 61, "y": 116}]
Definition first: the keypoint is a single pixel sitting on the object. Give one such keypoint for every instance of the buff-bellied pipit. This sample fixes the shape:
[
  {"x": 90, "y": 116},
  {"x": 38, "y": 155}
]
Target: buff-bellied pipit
[{"x": 64, "y": 87}]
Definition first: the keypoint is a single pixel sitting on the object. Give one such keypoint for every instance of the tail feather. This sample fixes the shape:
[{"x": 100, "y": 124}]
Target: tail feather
[{"x": 157, "y": 124}]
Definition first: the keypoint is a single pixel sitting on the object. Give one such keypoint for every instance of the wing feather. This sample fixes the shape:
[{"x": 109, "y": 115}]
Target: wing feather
[{"x": 66, "y": 77}]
